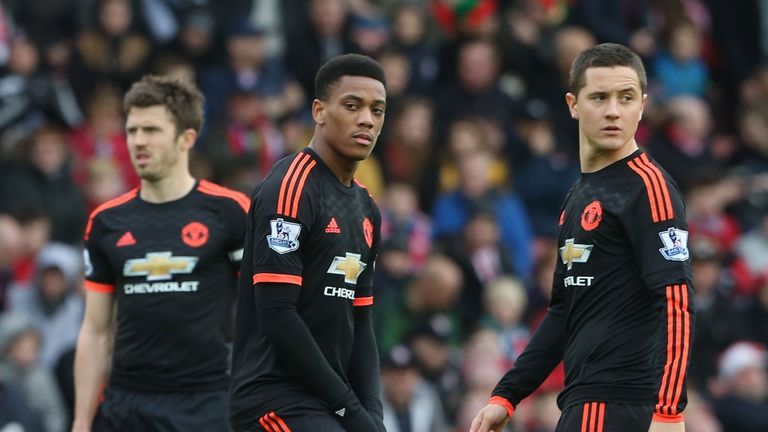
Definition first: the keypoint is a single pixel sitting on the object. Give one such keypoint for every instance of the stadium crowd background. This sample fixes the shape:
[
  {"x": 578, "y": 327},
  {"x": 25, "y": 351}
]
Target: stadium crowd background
[{"x": 477, "y": 154}]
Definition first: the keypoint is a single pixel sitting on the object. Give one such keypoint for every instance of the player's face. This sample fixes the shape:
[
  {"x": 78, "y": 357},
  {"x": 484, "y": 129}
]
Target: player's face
[
  {"x": 351, "y": 119},
  {"x": 156, "y": 150},
  {"x": 608, "y": 108}
]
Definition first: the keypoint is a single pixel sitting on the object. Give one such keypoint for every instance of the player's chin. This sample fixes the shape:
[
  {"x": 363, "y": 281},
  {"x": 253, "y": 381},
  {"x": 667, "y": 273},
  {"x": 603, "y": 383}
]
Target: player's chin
[{"x": 359, "y": 152}]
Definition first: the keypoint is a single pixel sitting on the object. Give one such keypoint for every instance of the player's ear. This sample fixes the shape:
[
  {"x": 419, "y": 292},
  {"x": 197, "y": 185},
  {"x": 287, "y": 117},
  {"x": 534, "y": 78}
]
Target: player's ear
[
  {"x": 318, "y": 111},
  {"x": 644, "y": 100},
  {"x": 187, "y": 139},
  {"x": 570, "y": 99}
]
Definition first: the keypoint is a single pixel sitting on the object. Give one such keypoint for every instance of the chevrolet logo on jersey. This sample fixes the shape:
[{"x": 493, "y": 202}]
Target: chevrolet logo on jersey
[
  {"x": 350, "y": 266},
  {"x": 159, "y": 266},
  {"x": 574, "y": 253}
]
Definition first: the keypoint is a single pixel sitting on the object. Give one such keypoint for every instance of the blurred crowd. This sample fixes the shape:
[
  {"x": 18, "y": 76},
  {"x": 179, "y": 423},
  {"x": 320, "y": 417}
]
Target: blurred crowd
[{"x": 477, "y": 153}]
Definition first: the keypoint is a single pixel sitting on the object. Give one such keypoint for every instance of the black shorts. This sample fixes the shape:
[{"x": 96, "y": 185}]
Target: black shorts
[
  {"x": 129, "y": 411},
  {"x": 304, "y": 416},
  {"x": 605, "y": 417}
]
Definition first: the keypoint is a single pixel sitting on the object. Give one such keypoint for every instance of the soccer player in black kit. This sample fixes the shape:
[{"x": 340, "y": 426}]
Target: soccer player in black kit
[
  {"x": 305, "y": 356},
  {"x": 167, "y": 255},
  {"x": 621, "y": 312}
]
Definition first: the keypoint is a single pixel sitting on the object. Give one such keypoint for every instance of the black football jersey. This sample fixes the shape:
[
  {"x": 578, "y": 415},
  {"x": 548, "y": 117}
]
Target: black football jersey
[
  {"x": 172, "y": 268},
  {"x": 306, "y": 229},
  {"x": 621, "y": 311}
]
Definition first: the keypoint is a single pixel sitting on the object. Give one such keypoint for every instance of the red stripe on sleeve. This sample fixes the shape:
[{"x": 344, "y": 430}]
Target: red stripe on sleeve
[
  {"x": 297, "y": 197},
  {"x": 286, "y": 210},
  {"x": 99, "y": 287},
  {"x": 648, "y": 189},
  {"x": 362, "y": 301},
  {"x": 585, "y": 418},
  {"x": 664, "y": 189},
  {"x": 281, "y": 197},
  {"x": 656, "y": 187},
  {"x": 276, "y": 278}
]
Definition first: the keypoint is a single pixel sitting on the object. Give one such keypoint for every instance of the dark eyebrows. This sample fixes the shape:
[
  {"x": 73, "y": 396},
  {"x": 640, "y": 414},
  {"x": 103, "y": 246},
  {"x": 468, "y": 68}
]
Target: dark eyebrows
[{"x": 360, "y": 100}]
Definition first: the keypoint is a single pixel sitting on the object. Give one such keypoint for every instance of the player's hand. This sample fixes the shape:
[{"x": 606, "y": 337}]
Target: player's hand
[
  {"x": 358, "y": 421},
  {"x": 352, "y": 415},
  {"x": 492, "y": 418},
  {"x": 667, "y": 427},
  {"x": 80, "y": 426}
]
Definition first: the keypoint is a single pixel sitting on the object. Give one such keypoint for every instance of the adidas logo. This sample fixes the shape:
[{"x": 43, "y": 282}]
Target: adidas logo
[
  {"x": 333, "y": 227},
  {"x": 341, "y": 412},
  {"x": 127, "y": 239}
]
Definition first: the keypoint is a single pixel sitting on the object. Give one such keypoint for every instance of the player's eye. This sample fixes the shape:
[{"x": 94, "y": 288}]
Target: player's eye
[
  {"x": 350, "y": 106},
  {"x": 378, "y": 111}
]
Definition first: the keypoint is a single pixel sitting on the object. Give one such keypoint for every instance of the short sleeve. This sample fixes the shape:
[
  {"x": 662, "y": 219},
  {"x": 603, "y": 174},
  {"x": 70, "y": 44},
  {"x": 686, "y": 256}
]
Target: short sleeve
[
  {"x": 364, "y": 290},
  {"x": 279, "y": 235},
  {"x": 99, "y": 275},
  {"x": 655, "y": 223}
]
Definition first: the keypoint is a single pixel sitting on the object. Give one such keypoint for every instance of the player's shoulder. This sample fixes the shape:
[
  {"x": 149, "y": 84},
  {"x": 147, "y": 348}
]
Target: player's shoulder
[
  {"x": 109, "y": 206},
  {"x": 291, "y": 169},
  {"x": 365, "y": 194},
  {"x": 216, "y": 191},
  {"x": 652, "y": 185},
  {"x": 289, "y": 182},
  {"x": 115, "y": 203}
]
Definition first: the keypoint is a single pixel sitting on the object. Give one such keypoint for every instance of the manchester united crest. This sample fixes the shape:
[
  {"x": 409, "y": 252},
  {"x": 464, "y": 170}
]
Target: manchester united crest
[
  {"x": 593, "y": 214},
  {"x": 368, "y": 231},
  {"x": 194, "y": 234}
]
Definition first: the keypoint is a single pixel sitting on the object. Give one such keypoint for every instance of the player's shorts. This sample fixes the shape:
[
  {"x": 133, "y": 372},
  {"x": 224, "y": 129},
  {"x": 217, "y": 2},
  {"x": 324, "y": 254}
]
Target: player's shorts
[
  {"x": 130, "y": 411},
  {"x": 304, "y": 416},
  {"x": 605, "y": 417}
]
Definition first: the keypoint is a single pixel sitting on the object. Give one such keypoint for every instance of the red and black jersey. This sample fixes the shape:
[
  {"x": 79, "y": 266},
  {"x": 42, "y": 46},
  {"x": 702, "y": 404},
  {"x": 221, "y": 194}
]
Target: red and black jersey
[
  {"x": 306, "y": 229},
  {"x": 622, "y": 305},
  {"x": 172, "y": 268}
]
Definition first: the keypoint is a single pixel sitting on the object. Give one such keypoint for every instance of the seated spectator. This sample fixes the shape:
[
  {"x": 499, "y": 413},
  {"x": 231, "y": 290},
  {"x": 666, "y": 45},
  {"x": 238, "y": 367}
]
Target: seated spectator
[
  {"x": 453, "y": 209},
  {"x": 431, "y": 296},
  {"x": 439, "y": 364},
  {"x": 683, "y": 143},
  {"x": 679, "y": 68},
  {"x": 19, "y": 348},
  {"x": 505, "y": 302},
  {"x": 401, "y": 217},
  {"x": 102, "y": 136},
  {"x": 752, "y": 247},
  {"x": 52, "y": 301},
  {"x": 410, "y": 403},
  {"x": 44, "y": 183},
  {"x": 742, "y": 397},
  {"x": 36, "y": 232},
  {"x": 113, "y": 50}
]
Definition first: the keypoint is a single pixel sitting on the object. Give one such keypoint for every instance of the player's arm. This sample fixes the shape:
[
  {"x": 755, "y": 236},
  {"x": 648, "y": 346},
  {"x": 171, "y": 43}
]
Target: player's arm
[
  {"x": 299, "y": 352},
  {"x": 540, "y": 357},
  {"x": 656, "y": 225},
  {"x": 92, "y": 356},
  {"x": 364, "y": 373}
]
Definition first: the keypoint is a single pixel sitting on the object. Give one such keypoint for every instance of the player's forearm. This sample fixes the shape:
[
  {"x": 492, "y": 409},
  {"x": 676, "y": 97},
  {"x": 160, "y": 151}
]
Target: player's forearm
[
  {"x": 363, "y": 371},
  {"x": 297, "y": 349},
  {"x": 675, "y": 334},
  {"x": 537, "y": 361},
  {"x": 91, "y": 364}
]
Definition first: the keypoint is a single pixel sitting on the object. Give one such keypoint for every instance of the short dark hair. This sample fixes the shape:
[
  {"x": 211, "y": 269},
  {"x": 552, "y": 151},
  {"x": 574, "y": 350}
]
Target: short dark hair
[
  {"x": 605, "y": 55},
  {"x": 182, "y": 100},
  {"x": 350, "y": 65}
]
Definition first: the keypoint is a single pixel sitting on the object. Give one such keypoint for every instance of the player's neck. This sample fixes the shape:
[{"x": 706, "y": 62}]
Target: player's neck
[
  {"x": 593, "y": 161},
  {"x": 167, "y": 189},
  {"x": 342, "y": 168}
]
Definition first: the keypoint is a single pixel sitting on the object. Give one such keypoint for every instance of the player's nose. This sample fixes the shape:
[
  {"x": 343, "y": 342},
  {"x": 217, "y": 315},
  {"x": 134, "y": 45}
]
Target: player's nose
[{"x": 365, "y": 117}]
